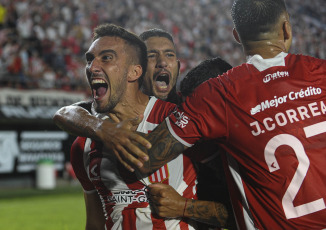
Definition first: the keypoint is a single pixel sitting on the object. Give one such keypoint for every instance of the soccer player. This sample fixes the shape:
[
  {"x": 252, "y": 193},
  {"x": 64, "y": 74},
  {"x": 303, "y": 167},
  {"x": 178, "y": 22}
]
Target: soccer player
[
  {"x": 159, "y": 81},
  {"x": 211, "y": 179},
  {"x": 163, "y": 65},
  {"x": 269, "y": 114},
  {"x": 115, "y": 63}
]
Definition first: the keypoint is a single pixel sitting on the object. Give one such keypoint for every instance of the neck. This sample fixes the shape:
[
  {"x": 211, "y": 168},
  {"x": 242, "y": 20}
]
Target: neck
[
  {"x": 264, "y": 48},
  {"x": 131, "y": 105}
]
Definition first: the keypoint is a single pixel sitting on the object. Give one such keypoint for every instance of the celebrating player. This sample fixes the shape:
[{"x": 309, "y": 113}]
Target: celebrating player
[
  {"x": 115, "y": 62},
  {"x": 269, "y": 115}
]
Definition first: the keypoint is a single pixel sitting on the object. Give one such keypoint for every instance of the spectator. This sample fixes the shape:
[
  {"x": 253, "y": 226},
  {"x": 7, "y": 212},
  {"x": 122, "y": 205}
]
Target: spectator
[{"x": 207, "y": 34}]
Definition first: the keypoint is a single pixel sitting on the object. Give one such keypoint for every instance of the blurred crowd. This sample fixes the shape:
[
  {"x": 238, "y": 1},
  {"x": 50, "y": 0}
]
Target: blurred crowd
[{"x": 42, "y": 42}]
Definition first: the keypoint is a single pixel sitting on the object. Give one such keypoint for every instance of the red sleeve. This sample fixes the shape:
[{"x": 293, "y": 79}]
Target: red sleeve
[
  {"x": 76, "y": 159},
  {"x": 202, "y": 115}
]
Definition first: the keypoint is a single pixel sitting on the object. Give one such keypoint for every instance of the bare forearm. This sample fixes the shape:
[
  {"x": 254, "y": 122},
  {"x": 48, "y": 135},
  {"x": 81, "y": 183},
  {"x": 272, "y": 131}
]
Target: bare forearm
[
  {"x": 208, "y": 212},
  {"x": 77, "y": 121}
]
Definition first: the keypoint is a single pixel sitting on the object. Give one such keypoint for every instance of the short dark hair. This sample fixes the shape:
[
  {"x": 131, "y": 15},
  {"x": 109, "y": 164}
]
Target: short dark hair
[
  {"x": 254, "y": 17},
  {"x": 156, "y": 33},
  {"x": 131, "y": 39},
  {"x": 205, "y": 70}
]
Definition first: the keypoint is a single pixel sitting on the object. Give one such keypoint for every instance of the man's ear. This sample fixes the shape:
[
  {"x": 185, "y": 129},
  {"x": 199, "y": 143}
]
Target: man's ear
[
  {"x": 287, "y": 34},
  {"x": 135, "y": 71},
  {"x": 236, "y": 35}
]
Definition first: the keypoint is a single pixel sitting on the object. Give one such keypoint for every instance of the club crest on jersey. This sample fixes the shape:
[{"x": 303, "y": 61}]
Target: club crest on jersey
[
  {"x": 182, "y": 120},
  {"x": 274, "y": 76}
]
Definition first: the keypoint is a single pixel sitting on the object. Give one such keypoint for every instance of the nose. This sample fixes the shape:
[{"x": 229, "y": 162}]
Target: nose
[
  {"x": 161, "y": 61},
  {"x": 94, "y": 66}
]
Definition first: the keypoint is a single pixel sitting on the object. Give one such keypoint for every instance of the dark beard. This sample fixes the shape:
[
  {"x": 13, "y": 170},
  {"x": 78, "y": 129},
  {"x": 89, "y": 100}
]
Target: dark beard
[{"x": 114, "y": 99}]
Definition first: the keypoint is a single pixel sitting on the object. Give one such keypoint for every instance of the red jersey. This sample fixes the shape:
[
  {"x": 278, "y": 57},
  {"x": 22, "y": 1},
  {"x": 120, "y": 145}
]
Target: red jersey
[
  {"x": 123, "y": 193},
  {"x": 269, "y": 115}
]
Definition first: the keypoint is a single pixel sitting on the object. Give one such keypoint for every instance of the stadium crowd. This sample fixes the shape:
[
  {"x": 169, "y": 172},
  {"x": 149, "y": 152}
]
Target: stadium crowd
[{"x": 42, "y": 43}]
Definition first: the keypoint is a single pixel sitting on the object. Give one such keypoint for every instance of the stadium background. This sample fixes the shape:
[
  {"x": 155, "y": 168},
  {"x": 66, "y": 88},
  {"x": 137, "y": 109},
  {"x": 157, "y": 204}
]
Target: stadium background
[{"x": 42, "y": 46}]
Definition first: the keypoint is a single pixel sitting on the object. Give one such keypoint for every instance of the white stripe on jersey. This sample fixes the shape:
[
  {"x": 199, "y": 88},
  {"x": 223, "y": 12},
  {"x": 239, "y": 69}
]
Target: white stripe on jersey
[
  {"x": 234, "y": 170},
  {"x": 175, "y": 135},
  {"x": 146, "y": 126}
]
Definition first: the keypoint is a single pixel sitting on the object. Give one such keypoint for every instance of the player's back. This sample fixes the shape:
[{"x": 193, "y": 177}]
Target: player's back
[{"x": 276, "y": 131}]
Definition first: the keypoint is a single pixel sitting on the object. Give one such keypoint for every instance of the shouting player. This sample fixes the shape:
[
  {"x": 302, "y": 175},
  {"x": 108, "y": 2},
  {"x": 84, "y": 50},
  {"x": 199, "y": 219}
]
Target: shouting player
[
  {"x": 269, "y": 115},
  {"x": 115, "y": 62}
]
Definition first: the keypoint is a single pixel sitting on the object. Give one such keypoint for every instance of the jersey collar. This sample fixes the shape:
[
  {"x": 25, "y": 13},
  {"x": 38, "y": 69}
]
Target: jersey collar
[{"x": 263, "y": 64}]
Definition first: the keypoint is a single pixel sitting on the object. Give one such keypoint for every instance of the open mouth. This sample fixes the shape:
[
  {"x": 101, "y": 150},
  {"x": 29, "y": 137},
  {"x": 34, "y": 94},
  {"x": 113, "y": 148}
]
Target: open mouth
[
  {"x": 162, "y": 81},
  {"x": 99, "y": 88}
]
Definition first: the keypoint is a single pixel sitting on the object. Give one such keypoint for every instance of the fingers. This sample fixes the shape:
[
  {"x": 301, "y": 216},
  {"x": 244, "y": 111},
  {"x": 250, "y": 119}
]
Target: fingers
[
  {"x": 125, "y": 164},
  {"x": 114, "y": 118},
  {"x": 141, "y": 140},
  {"x": 156, "y": 188},
  {"x": 127, "y": 159}
]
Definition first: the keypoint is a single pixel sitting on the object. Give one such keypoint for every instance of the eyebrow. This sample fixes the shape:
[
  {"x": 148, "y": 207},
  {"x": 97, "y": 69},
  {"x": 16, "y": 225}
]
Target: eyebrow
[
  {"x": 89, "y": 54},
  {"x": 165, "y": 51},
  {"x": 108, "y": 51}
]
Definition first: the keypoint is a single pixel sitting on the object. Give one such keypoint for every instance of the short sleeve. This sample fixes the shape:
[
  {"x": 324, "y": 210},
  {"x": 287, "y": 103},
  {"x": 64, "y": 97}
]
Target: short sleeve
[{"x": 202, "y": 115}]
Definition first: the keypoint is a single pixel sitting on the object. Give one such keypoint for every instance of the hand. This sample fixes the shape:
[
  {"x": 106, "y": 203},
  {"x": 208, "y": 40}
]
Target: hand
[
  {"x": 119, "y": 139},
  {"x": 165, "y": 201}
]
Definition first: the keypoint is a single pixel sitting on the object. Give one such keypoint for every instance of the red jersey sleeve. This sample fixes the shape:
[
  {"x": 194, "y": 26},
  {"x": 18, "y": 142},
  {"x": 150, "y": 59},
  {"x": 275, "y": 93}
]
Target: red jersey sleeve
[
  {"x": 76, "y": 159},
  {"x": 194, "y": 118}
]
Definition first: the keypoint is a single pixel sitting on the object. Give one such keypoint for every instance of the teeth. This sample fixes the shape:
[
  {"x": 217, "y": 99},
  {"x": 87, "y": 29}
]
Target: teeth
[{"x": 98, "y": 81}]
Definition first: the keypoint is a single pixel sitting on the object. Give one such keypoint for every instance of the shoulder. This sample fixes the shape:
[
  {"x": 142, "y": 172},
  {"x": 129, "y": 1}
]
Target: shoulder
[
  {"x": 162, "y": 109},
  {"x": 78, "y": 145},
  {"x": 305, "y": 59}
]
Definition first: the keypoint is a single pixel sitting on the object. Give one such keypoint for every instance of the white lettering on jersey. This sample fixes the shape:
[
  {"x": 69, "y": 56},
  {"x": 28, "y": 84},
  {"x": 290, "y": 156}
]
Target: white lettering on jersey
[
  {"x": 273, "y": 76},
  {"x": 276, "y": 101},
  {"x": 288, "y": 117},
  {"x": 128, "y": 196}
]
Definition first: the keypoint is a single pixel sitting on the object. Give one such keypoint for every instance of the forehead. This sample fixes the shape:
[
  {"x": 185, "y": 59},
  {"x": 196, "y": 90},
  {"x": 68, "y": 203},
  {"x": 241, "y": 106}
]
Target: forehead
[
  {"x": 159, "y": 43},
  {"x": 108, "y": 43}
]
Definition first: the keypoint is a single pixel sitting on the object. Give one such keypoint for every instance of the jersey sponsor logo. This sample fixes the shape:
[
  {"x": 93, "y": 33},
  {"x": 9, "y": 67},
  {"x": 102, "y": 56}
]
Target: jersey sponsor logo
[
  {"x": 276, "y": 101},
  {"x": 274, "y": 76},
  {"x": 182, "y": 120},
  {"x": 288, "y": 116},
  {"x": 128, "y": 196},
  {"x": 160, "y": 175}
]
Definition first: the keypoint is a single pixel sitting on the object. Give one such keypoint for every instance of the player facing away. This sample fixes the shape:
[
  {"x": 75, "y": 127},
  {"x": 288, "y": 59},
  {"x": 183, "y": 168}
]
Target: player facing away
[{"x": 269, "y": 115}]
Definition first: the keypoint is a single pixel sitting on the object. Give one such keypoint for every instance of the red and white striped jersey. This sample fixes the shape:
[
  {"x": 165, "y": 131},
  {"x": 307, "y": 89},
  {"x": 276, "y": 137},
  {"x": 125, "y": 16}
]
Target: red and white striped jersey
[
  {"x": 270, "y": 117},
  {"x": 123, "y": 193}
]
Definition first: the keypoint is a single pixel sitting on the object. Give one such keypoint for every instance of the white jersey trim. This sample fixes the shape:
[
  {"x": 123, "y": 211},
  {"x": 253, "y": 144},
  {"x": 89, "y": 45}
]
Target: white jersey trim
[
  {"x": 175, "y": 135},
  {"x": 144, "y": 125},
  {"x": 234, "y": 170},
  {"x": 262, "y": 64}
]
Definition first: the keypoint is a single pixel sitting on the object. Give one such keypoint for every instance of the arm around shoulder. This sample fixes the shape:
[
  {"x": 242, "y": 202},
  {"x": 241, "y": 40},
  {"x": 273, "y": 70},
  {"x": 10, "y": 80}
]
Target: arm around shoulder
[{"x": 78, "y": 121}]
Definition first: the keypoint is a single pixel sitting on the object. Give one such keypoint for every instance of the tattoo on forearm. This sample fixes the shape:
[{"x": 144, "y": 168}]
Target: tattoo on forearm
[
  {"x": 165, "y": 148},
  {"x": 201, "y": 211}
]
